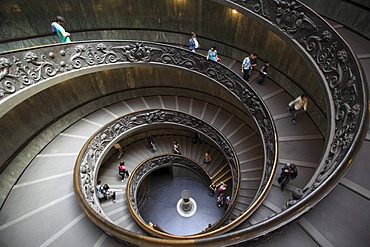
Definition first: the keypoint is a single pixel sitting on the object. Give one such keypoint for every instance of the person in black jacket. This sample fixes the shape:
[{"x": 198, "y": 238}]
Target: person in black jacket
[{"x": 288, "y": 172}]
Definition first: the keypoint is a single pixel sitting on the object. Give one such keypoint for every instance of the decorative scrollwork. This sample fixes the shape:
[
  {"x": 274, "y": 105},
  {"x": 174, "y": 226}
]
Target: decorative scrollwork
[
  {"x": 337, "y": 63},
  {"x": 148, "y": 166},
  {"x": 18, "y": 73},
  {"x": 332, "y": 56},
  {"x": 290, "y": 18},
  {"x": 15, "y": 74},
  {"x": 89, "y": 161}
]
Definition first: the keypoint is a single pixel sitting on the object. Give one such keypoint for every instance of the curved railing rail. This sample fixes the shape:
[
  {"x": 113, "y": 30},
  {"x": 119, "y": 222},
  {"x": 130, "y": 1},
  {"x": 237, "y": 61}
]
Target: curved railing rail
[
  {"x": 105, "y": 138},
  {"x": 313, "y": 37},
  {"x": 340, "y": 73},
  {"x": 146, "y": 167},
  {"x": 346, "y": 94},
  {"x": 92, "y": 154},
  {"x": 42, "y": 67},
  {"x": 344, "y": 85},
  {"x": 134, "y": 52},
  {"x": 52, "y": 64}
]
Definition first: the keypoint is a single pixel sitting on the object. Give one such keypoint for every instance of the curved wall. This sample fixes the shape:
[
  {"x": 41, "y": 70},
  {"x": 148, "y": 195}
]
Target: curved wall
[
  {"x": 169, "y": 22},
  {"x": 354, "y": 14}
]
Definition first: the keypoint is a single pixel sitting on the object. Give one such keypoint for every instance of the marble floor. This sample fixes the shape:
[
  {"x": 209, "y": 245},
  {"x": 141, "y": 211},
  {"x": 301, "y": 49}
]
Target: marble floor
[{"x": 165, "y": 192}]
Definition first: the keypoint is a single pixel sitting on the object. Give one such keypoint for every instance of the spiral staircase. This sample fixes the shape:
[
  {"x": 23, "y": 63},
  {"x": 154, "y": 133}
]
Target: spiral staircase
[{"x": 38, "y": 191}]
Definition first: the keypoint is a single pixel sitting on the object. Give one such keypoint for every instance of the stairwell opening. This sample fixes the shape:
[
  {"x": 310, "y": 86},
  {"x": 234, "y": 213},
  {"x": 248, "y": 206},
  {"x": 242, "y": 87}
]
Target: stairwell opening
[{"x": 163, "y": 189}]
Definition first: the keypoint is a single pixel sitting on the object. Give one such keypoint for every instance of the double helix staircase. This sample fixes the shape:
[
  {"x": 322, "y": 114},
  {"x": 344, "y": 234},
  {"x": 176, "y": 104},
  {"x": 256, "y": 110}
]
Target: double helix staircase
[
  {"x": 245, "y": 141},
  {"x": 56, "y": 161},
  {"x": 43, "y": 195}
]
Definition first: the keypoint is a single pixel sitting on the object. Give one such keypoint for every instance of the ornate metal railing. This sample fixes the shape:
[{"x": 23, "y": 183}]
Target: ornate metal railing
[
  {"x": 100, "y": 143},
  {"x": 92, "y": 154},
  {"x": 346, "y": 93},
  {"x": 41, "y": 67},
  {"x": 340, "y": 73},
  {"x": 142, "y": 170},
  {"x": 33, "y": 67},
  {"x": 342, "y": 81}
]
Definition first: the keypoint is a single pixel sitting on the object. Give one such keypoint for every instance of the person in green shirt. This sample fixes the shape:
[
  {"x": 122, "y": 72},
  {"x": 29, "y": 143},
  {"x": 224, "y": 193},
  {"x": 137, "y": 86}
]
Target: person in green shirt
[{"x": 57, "y": 27}]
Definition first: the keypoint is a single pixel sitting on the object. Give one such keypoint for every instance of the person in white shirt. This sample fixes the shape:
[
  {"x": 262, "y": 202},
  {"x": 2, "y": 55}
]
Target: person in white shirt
[
  {"x": 297, "y": 104},
  {"x": 246, "y": 66}
]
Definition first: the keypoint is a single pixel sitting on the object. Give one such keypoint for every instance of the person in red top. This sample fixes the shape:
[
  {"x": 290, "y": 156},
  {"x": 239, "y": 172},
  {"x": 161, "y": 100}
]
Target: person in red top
[
  {"x": 222, "y": 188},
  {"x": 122, "y": 170}
]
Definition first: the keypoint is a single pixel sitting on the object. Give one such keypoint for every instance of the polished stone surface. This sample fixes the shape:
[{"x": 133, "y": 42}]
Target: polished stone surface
[
  {"x": 336, "y": 216},
  {"x": 160, "y": 207}
]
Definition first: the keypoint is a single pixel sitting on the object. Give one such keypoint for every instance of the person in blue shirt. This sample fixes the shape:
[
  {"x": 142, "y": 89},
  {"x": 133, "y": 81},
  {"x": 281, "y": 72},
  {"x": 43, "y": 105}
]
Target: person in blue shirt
[
  {"x": 57, "y": 27},
  {"x": 212, "y": 54},
  {"x": 193, "y": 42}
]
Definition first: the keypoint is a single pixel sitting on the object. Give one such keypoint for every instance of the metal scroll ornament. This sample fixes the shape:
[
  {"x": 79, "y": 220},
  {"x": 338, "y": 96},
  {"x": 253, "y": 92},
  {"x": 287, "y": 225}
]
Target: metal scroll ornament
[
  {"x": 103, "y": 139},
  {"x": 17, "y": 74},
  {"x": 335, "y": 60}
]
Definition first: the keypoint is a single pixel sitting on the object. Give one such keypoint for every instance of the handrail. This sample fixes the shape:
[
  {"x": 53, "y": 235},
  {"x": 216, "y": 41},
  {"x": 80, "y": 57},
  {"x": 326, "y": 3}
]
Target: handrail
[
  {"x": 347, "y": 99},
  {"x": 42, "y": 67},
  {"x": 219, "y": 171},
  {"x": 344, "y": 84},
  {"x": 93, "y": 152},
  {"x": 146, "y": 167},
  {"x": 41, "y": 64},
  {"x": 234, "y": 83},
  {"x": 349, "y": 109}
]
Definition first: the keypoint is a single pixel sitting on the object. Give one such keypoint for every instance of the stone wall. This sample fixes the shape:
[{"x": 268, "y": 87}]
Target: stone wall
[{"x": 166, "y": 21}]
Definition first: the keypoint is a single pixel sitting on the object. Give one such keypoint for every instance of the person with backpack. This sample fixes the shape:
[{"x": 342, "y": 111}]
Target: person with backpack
[
  {"x": 193, "y": 42},
  {"x": 212, "y": 54},
  {"x": 288, "y": 172},
  {"x": 297, "y": 104},
  {"x": 222, "y": 188},
  {"x": 122, "y": 170},
  {"x": 253, "y": 65},
  {"x": 107, "y": 192}
]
